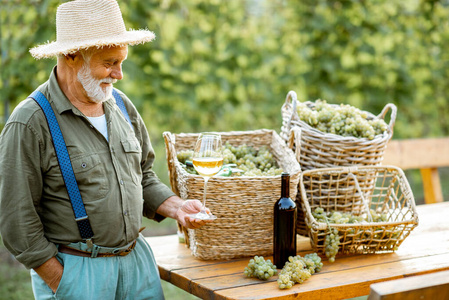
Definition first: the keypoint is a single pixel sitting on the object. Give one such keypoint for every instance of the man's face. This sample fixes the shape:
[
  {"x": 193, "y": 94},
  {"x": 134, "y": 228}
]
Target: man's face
[{"x": 100, "y": 71}]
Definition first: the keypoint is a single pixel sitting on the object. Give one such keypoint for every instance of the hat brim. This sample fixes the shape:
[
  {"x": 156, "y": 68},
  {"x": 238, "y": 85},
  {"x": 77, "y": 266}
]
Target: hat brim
[{"x": 132, "y": 37}]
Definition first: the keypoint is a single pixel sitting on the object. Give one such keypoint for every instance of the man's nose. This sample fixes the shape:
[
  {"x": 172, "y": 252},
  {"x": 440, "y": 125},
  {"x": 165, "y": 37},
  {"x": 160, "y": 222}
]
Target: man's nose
[{"x": 117, "y": 72}]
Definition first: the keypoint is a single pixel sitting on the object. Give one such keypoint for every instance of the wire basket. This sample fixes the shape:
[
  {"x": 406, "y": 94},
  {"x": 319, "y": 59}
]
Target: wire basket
[
  {"x": 326, "y": 150},
  {"x": 338, "y": 189},
  {"x": 243, "y": 205}
]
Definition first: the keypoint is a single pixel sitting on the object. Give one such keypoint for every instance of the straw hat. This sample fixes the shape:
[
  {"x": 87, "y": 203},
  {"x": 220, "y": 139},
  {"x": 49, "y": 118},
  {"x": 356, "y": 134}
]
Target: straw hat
[{"x": 82, "y": 24}]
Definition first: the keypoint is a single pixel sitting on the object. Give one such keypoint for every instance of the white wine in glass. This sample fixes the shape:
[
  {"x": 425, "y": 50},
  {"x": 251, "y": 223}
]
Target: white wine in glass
[{"x": 207, "y": 161}]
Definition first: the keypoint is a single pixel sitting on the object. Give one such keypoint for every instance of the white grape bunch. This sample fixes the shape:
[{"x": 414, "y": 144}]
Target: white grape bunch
[
  {"x": 332, "y": 238},
  {"x": 252, "y": 161},
  {"x": 298, "y": 269},
  {"x": 343, "y": 119},
  {"x": 260, "y": 268}
]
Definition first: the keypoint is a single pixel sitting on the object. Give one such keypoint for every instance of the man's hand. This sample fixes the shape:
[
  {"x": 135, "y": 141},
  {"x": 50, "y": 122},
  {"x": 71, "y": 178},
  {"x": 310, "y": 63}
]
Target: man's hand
[
  {"x": 191, "y": 207},
  {"x": 178, "y": 209},
  {"x": 51, "y": 272}
]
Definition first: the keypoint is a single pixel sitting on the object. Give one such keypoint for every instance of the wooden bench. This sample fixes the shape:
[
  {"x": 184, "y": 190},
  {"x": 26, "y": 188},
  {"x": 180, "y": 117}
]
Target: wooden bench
[
  {"x": 428, "y": 286},
  {"x": 425, "y": 154}
]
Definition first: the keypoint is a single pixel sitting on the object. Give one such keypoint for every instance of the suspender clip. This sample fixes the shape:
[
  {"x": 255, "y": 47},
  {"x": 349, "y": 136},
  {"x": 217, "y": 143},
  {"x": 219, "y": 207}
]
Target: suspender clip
[{"x": 89, "y": 243}]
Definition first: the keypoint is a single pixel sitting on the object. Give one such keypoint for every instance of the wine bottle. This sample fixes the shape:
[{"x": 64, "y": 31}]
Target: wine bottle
[{"x": 284, "y": 227}]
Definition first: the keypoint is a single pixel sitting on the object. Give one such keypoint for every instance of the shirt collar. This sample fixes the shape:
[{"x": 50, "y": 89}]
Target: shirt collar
[{"x": 60, "y": 100}]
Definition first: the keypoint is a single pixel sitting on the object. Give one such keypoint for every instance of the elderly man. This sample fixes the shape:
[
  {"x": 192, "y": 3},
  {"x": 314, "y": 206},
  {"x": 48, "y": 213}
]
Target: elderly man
[{"x": 74, "y": 218}]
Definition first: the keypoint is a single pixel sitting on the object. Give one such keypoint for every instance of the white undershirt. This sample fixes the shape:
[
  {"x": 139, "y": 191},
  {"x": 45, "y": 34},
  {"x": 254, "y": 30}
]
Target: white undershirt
[{"x": 100, "y": 124}]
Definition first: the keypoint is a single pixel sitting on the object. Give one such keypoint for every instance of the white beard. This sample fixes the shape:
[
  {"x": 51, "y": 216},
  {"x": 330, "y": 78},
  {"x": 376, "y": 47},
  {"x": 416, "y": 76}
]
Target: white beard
[{"x": 92, "y": 86}]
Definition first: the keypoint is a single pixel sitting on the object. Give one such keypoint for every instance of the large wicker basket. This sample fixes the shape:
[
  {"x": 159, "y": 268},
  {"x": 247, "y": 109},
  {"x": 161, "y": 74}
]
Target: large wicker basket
[
  {"x": 244, "y": 205},
  {"x": 327, "y": 150},
  {"x": 338, "y": 189}
]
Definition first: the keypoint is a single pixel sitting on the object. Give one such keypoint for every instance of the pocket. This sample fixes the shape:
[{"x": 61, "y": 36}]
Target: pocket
[
  {"x": 60, "y": 289},
  {"x": 91, "y": 176},
  {"x": 133, "y": 153}
]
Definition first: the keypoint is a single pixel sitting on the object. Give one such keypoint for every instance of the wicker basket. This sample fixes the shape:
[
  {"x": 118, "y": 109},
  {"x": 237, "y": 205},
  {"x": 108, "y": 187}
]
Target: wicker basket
[
  {"x": 244, "y": 205},
  {"x": 338, "y": 189},
  {"x": 327, "y": 150}
]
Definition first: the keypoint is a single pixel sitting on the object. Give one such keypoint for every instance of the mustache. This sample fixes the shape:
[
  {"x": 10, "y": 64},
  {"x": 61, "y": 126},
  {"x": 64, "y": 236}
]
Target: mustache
[{"x": 109, "y": 80}]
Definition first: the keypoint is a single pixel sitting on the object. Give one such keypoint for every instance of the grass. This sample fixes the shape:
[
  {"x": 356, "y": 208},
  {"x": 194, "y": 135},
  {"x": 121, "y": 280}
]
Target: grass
[{"x": 15, "y": 282}]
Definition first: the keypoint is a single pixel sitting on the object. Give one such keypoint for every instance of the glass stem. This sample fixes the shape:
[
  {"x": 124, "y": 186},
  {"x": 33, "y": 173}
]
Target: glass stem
[{"x": 205, "y": 192}]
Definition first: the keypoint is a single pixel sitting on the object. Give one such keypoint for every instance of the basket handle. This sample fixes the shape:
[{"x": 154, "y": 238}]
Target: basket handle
[
  {"x": 384, "y": 111},
  {"x": 291, "y": 96},
  {"x": 357, "y": 186},
  {"x": 171, "y": 155},
  {"x": 295, "y": 139},
  {"x": 169, "y": 139}
]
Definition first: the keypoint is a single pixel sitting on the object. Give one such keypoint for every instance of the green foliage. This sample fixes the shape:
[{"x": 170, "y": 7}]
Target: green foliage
[
  {"x": 24, "y": 24},
  {"x": 220, "y": 65},
  {"x": 228, "y": 65}
]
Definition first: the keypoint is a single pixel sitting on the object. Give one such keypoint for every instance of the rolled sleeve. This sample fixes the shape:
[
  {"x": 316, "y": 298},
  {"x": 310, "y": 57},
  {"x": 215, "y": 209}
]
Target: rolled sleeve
[
  {"x": 37, "y": 254},
  {"x": 154, "y": 195}
]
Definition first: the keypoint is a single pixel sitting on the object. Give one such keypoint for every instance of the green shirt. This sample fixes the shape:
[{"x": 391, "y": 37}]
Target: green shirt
[{"x": 115, "y": 178}]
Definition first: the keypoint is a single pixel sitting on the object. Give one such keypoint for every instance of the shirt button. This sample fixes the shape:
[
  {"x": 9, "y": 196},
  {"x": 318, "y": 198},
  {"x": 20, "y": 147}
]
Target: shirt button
[
  {"x": 91, "y": 126},
  {"x": 121, "y": 181},
  {"x": 125, "y": 213}
]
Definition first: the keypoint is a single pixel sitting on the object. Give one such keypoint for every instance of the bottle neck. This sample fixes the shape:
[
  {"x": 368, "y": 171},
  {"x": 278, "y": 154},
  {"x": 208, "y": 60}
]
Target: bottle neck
[{"x": 285, "y": 186}]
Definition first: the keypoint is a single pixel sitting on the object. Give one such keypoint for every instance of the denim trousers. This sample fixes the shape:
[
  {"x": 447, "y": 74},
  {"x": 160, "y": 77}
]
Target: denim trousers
[{"x": 134, "y": 276}]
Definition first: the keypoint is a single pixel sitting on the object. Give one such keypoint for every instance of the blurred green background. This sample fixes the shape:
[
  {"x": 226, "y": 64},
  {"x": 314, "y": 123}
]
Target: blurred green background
[{"x": 228, "y": 65}]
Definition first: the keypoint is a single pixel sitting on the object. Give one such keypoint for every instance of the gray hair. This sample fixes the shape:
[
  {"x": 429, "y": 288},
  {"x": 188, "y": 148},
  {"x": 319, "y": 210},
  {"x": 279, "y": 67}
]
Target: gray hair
[{"x": 85, "y": 53}]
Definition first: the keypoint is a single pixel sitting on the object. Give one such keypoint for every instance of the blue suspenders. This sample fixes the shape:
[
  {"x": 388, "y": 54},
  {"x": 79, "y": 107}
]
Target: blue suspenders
[{"x": 65, "y": 164}]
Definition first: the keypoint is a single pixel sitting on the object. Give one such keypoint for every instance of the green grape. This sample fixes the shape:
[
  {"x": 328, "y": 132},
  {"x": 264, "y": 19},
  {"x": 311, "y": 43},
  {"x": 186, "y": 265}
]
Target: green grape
[
  {"x": 260, "y": 268},
  {"x": 315, "y": 263},
  {"x": 331, "y": 244},
  {"x": 298, "y": 269},
  {"x": 332, "y": 238},
  {"x": 253, "y": 161},
  {"x": 184, "y": 155},
  {"x": 343, "y": 119}
]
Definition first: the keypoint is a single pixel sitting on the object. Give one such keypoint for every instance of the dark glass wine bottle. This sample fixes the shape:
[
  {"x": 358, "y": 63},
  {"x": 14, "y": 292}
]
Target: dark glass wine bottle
[{"x": 284, "y": 228}]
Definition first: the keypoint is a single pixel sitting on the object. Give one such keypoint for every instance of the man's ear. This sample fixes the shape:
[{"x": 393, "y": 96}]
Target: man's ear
[{"x": 74, "y": 60}]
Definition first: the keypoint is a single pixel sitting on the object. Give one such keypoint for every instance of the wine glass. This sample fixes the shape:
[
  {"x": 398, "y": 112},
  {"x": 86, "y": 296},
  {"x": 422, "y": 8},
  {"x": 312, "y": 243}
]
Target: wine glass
[{"x": 207, "y": 160}]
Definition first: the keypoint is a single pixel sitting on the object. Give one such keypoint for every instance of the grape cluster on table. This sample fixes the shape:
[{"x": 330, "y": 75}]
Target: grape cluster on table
[
  {"x": 260, "y": 268},
  {"x": 296, "y": 270}
]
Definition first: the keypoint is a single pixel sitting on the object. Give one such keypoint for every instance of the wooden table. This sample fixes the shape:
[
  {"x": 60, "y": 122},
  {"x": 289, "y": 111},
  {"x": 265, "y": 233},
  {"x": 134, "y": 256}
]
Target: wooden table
[{"x": 426, "y": 250}]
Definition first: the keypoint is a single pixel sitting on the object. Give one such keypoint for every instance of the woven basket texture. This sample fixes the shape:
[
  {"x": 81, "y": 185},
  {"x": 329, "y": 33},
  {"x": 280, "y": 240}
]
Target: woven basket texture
[
  {"x": 243, "y": 205},
  {"x": 327, "y": 150},
  {"x": 338, "y": 189}
]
